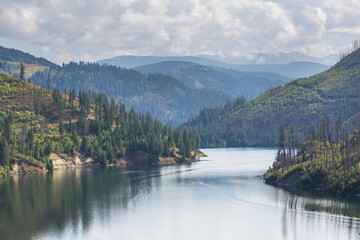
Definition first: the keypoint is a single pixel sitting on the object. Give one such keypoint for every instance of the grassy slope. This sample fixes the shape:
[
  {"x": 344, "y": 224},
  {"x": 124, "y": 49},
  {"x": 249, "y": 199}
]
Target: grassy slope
[{"x": 18, "y": 97}]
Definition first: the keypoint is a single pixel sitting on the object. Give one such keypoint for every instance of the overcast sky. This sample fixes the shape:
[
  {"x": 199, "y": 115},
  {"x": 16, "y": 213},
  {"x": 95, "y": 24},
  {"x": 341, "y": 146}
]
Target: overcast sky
[{"x": 64, "y": 30}]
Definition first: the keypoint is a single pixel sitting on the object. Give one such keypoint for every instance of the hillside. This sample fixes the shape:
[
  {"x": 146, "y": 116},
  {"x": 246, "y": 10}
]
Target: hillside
[
  {"x": 325, "y": 164},
  {"x": 165, "y": 97},
  {"x": 12, "y": 58},
  {"x": 334, "y": 93},
  {"x": 14, "y": 55},
  {"x": 234, "y": 83},
  {"x": 40, "y": 129},
  {"x": 25, "y": 101}
]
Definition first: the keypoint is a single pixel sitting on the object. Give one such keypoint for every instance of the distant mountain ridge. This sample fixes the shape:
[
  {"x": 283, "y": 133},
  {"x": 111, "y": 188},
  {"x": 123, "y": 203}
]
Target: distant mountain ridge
[
  {"x": 235, "y": 83},
  {"x": 275, "y": 58},
  {"x": 291, "y": 70}
]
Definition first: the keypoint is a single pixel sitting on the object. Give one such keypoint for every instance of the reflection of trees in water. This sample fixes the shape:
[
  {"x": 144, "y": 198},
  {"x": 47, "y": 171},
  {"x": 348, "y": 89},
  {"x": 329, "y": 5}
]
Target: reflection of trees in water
[
  {"x": 39, "y": 204},
  {"x": 313, "y": 201},
  {"x": 338, "y": 212},
  {"x": 305, "y": 211}
]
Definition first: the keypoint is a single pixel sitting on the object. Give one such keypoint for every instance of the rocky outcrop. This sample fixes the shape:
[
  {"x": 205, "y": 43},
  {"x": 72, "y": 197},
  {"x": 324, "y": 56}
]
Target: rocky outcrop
[{"x": 78, "y": 161}]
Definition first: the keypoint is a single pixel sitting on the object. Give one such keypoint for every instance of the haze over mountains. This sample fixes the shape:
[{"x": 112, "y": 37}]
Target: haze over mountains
[
  {"x": 292, "y": 65},
  {"x": 232, "y": 82},
  {"x": 277, "y": 58}
]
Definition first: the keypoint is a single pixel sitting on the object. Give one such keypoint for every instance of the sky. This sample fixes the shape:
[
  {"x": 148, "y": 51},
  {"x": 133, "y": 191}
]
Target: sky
[{"x": 90, "y": 30}]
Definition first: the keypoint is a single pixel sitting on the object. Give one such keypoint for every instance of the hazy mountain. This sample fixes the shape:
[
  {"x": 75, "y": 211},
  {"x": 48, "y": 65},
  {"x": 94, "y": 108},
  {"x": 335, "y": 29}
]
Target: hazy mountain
[
  {"x": 291, "y": 70},
  {"x": 136, "y": 61},
  {"x": 235, "y": 83},
  {"x": 277, "y": 58}
]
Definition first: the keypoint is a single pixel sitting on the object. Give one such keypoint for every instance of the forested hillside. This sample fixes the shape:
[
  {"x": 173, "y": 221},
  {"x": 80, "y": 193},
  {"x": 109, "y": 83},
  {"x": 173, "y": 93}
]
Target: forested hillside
[
  {"x": 301, "y": 103},
  {"x": 165, "y": 97},
  {"x": 328, "y": 160},
  {"x": 232, "y": 82},
  {"x": 14, "y": 55},
  {"x": 34, "y": 123}
]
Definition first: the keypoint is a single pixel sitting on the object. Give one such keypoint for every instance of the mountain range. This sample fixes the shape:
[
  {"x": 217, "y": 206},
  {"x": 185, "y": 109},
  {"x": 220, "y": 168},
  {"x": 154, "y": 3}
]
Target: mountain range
[
  {"x": 293, "y": 69},
  {"x": 276, "y": 58},
  {"x": 232, "y": 82},
  {"x": 174, "y": 91}
]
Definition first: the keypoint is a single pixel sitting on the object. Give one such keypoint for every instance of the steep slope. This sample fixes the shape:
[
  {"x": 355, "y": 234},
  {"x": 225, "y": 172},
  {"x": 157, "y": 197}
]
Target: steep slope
[
  {"x": 234, "y": 83},
  {"x": 14, "y": 55},
  {"x": 25, "y": 101},
  {"x": 12, "y": 58},
  {"x": 334, "y": 93},
  {"x": 165, "y": 97}
]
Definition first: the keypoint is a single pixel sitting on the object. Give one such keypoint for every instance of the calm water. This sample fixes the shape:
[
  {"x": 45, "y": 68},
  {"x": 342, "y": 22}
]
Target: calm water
[{"x": 221, "y": 197}]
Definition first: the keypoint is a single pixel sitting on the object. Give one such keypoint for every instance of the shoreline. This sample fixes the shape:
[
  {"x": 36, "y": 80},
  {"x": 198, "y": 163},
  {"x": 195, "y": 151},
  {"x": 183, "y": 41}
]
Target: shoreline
[
  {"x": 293, "y": 178},
  {"x": 80, "y": 161}
]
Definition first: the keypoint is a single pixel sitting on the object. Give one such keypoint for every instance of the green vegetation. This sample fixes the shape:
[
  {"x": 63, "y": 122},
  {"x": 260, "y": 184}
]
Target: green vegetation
[
  {"x": 301, "y": 103},
  {"x": 35, "y": 122},
  {"x": 13, "y": 55},
  {"x": 165, "y": 97},
  {"x": 326, "y": 161},
  {"x": 234, "y": 83}
]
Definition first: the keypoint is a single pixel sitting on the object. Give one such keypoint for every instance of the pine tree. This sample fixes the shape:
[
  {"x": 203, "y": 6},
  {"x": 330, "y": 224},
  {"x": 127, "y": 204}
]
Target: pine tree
[
  {"x": 281, "y": 154},
  {"x": 22, "y": 71},
  {"x": 4, "y": 153}
]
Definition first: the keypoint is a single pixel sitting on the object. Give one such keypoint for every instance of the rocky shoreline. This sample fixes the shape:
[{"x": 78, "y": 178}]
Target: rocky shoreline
[{"x": 61, "y": 161}]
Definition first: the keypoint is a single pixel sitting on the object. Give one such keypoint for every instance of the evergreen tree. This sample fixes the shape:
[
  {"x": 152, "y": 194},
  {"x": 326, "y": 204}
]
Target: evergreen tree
[
  {"x": 4, "y": 153},
  {"x": 281, "y": 154},
  {"x": 22, "y": 71}
]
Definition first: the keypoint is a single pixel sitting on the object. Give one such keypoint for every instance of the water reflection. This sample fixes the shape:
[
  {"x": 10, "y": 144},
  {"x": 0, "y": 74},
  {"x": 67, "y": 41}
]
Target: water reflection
[
  {"x": 222, "y": 197},
  {"x": 322, "y": 214},
  {"x": 310, "y": 200},
  {"x": 39, "y": 204}
]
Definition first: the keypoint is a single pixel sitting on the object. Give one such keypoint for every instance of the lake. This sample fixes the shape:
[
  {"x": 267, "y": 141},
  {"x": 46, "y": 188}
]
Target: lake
[{"x": 220, "y": 197}]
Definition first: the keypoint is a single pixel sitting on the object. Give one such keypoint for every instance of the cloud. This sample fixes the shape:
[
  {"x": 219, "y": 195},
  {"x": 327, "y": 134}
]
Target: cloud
[{"x": 79, "y": 29}]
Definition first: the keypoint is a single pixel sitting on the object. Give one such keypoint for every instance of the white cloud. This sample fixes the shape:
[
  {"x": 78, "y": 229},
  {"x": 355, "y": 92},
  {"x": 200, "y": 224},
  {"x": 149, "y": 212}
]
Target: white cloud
[{"x": 89, "y": 30}]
